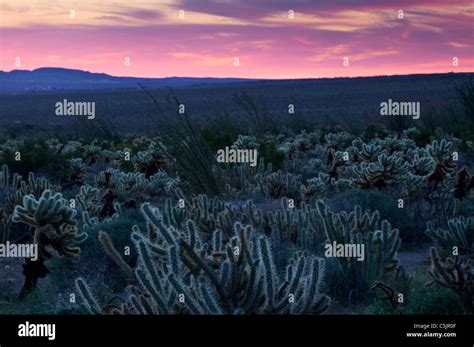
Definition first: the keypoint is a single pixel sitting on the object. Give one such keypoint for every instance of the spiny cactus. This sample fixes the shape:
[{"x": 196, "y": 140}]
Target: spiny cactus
[
  {"x": 368, "y": 152},
  {"x": 53, "y": 225},
  {"x": 152, "y": 160},
  {"x": 179, "y": 271},
  {"x": 162, "y": 182},
  {"x": 239, "y": 181},
  {"x": 381, "y": 244},
  {"x": 245, "y": 142},
  {"x": 441, "y": 152},
  {"x": 464, "y": 184},
  {"x": 315, "y": 186},
  {"x": 460, "y": 234},
  {"x": 7, "y": 180},
  {"x": 36, "y": 186},
  {"x": 89, "y": 200},
  {"x": 75, "y": 171},
  {"x": 279, "y": 184},
  {"x": 422, "y": 165},
  {"x": 137, "y": 185},
  {"x": 14, "y": 191},
  {"x": 8, "y": 184},
  {"x": 454, "y": 273},
  {"x": 388, "y": 169},
  {"x": 413, "y": 186}
]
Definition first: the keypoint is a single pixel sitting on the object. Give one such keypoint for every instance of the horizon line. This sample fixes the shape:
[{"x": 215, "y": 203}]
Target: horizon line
[{"x": 244, "y": 78}]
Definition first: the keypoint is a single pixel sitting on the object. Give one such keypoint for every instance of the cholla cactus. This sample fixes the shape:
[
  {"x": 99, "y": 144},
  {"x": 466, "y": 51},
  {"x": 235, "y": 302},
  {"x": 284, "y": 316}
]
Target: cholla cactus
[
  {"x": 394, "y": 144},
  {"x": 36, "y": 186},
  {"x": 135, "y": 184},
  {"x": 422, "y": 165},
  {"x": 464, "y": 184},
  {"x": 341, "y": 184},
  {"x": 299, "y": 227},
  {"x": 454, "y": 273},
  {"x": 92, "y": 154},
  {"x": 70, "y": 147},
  {"x": 387, "y": 170},
  {"x": 54, "y": 225},
  {"x": 245, "y": 142},
  {"x": 180, "y": 272},
  {"x": 381, "y": 244},
  {"x": 441, "y": 153},
  {"x": 15, "y": 189},
  {"x": 413, "y": 186},
  {"x": 337, "y": 141},
  {"x": 77, "y": 169},
  {"x": 8, "y": 181},
  {"x": 162, "y": 182},
  {"x": 313, "y": 165},
  {"x": 315, "y": 186},
  {"x": 241, "y": 180},
  {"x": 152, "y": 160},
  {"x": 8, "y": 185},
  {"x": 131, "y": 183},
  {"x": 279, "y": 184},
  {"x": 368, "y": 152},
  {"x": 89, "y": 199},
  {"x": 459, "y": 234},
  {"x": 337, "y": 161}
]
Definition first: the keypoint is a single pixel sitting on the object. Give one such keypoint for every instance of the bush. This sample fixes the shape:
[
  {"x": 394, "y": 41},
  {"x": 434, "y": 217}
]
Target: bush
[
  {"x": 373, "y": 131},
  {"x": 34, "y": 155},
  {"x": 271, "y": 154},
  {"x": 95, "y": 264},
  {"x": 434, "y": 300},
  {"x": 420, "y": 300},
  {"x": 217, "y": 140}
]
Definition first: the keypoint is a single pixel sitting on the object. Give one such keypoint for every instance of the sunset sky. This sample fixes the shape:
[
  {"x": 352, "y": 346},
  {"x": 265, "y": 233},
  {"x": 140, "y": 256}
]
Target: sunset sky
[{"x": 260, "y": 33}]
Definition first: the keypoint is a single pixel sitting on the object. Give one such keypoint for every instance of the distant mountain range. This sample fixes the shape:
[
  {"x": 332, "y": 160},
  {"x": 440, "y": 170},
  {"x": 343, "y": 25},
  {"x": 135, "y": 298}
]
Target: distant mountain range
[
  {"x": 49, "y": 79},
  {"x": 52, "y": 79}
]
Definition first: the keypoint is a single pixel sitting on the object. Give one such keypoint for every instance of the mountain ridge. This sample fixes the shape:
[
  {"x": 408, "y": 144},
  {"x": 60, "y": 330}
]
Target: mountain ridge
[{"x": 57, "y": 79}]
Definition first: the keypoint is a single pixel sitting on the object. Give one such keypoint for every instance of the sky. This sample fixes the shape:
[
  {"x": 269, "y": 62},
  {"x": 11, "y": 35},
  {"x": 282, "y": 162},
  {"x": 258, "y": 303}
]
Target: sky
[{"x": 240, "y": 38}]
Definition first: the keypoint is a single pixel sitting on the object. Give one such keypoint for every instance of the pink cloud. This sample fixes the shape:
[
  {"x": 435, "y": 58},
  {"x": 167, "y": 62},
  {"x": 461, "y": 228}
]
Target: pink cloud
[{"x": 159, "y": 44}]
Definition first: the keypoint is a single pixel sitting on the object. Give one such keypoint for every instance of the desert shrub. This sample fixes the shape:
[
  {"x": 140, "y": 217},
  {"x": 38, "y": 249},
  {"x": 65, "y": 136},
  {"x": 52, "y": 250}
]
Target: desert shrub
[
  {"x": 271, "y": 154},
  {"x": 34, "y": 156},
  {"x": 421, "y": 300},
  {"x": 95, "y": 264},
  {"x": 398, "y": 123},
  {"x": 373, "y": 131},
  {"x": 434, "y": 300},
  {"x": 216, "y": 139},
  {"x": 423, "y": 136}
]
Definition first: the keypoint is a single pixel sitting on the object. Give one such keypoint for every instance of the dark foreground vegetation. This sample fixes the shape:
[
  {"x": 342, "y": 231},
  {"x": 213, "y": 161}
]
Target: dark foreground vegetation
[{"x": 148, "y": 222}]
